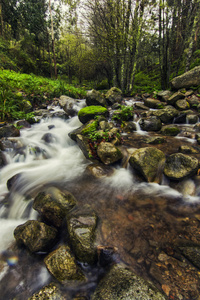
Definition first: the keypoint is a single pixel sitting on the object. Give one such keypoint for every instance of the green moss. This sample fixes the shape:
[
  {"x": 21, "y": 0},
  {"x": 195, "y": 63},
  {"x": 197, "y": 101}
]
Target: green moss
[
  {"x": 123, "y": 114},
  {"x": 90, "y": 128},
  {"x": 92, "y": 110}
]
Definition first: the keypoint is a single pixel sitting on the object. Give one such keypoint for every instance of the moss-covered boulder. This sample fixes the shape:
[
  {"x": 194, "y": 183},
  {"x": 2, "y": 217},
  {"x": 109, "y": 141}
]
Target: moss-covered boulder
[
  {"x": 9, "y": 131},
  {"x": 35, "y": 235},
  {"x": 170, "y": 130},
  {"x": 122, "y": 284},
  {"x": 82, "y": 228},
  {"x": 113, "y": 95},
  {"x": 166, "y": 114},
  {"x": 187, "y": 80},
  {"x": 149, "y": 162},
  {"x": 53, "y": 205},
  {"x": 62, "y": 265},
  {"x": 49, "y": 292},
  {"x": 94, "y": 97},
  {"x": 108, "y": 153},
  {"x": 179, "y": 166},
  {"x": 88, "y": 113},
  {"x": 151, "y": 123}
]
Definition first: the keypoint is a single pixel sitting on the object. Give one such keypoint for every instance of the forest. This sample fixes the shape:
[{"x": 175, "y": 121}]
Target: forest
[{"x": 135, "y": 45}]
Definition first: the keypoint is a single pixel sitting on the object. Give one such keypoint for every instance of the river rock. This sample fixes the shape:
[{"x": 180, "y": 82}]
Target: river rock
[
  {"x": 180, "y": 119},
  {"x": 153, "y": 103},
  {"x": 23, "y": 124},
  {"x": 192, "y": 119},
  {"x": 129, "y": 126},
  {"x": 151, "y": 123},
  {"x": 83, "y": 144},
  {"x": 192, "y": 253},
  {"x": 164, "y": 95},
  {"x": 68, "y": 104},
  {"x": 194, "y": 101},
  {"x": 149, "y": 162},
  {"x": 108, "y": 153},
  {"x": 35, "y": 235},
  {"x": 88, "y": 113},
  {"x": 94, "y": 97},
  {"x": 175, "y": 97},
  {"x": 166, "y": 114},
  {"x": 48, "y": 138},
  {"x": 3, "y": 160},
  {"x": 121, "y": 283},
  {"x": 141, "y": 106},
  {"x": 9, "y": 131},
  {"x": 155, "y": 140},
  {"x": 170, "y": 130},
  {"x": 113, "y": 95},
  {"x": 187, "y": 80},
  {"x": 81, "y": 228},
  {"x": 179, "y": 166},
  {"x": 100, "y": 170},
  {"x": 54, "y": 204},
  {"x": 189, "y": 149},
  {"x": 49, "y": 292},
  {"x": 62, "y": 265},
  {"x": 182, "y": 104}
]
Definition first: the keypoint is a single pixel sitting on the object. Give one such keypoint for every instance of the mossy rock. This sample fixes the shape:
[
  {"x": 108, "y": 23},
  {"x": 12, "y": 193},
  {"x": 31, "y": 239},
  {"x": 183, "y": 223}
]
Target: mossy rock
[
  {"x": 166, "y": 114},
  {"x": 49, "y": 292},
  {"x": 187, "y": 80},
  {"x": 95, "y": 98},
  {"x": 88, "y": 113},
  {"x": 114, "y": 95},
  {"x": 170, "y": 130}
]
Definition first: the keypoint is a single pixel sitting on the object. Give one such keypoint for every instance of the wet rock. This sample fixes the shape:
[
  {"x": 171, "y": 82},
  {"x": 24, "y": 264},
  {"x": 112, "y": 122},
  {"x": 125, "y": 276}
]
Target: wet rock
[
  {"x": 88, "y": 113},
  {"x": 100, "y": 170},
  {"x": 182, "y": 104},
  {"x": 35, "y": 235},
  {"x": 62, "y": 265},
  {"x": 9, "y": 131},
  {"x": 83, "y": 143},
  {"x": 197, "y": 137},
  {"x": 3, "y": 160},
  {"x": 105, "y": 125},
  {"x": 192, "y": 119},
  {"x": 155, "y": 140},
  {"x": 58, "y": 114},
  {"x": 23, "y": 124},
  {"x": 188, "y": 79},
  {"x": 164, "y": 95},
  {"x": 54, "y": 204},
  {"x": 129, "y": 126},
  {"x": 113, "y": 95},
  {"x": 192, "y": 253},
  {"x": 153, "y": 103},
  {"x": 194, "y": 101},
  {"x": 84, "y": 129},
  {"x": 197, "y": 127},
  {"x": 179, "y": 166},
  {"x": 6, "y": 144},
  {"x": 49, "y": 292},
  {"x": 170, "y": 130},
  {"x": 81, "y": 228},
  {"x": 12, "y": 182},
  {"x": 68, "y": 104},
  {"x": 175, "y": 97},
  {"x": 186, "y": 187},
  {"x": 166, "y": 114},
  {"x": 108, "y": 153},
  {"x": 107, "y": 255},
  {"x": 149, "y": 162},
  {"x": 49, "y": 138},
  {"x": 121, "y": 283},
  {"x": 141, "y": 106},
  {"x": 151, "y": 123},
  {"x": 95, "y": 98},
  {"x": 188, "y": 149},
  {"x": 180, "y": 119}
]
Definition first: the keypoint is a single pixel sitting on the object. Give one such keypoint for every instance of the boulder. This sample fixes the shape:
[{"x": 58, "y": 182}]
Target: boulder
[
  {"x": 113, "y": 95},
  {"x": 68, "y": 104},
  {"x": 149, "y": 162},
  {"x": 175, "y": 97},
  {"x": 179, "y": 166},
  {"x": 94, "y": 97},
  {"x": 49, "y": 292},
  {"x": 151, "y": 123},
  {"x": 187, "y": 80},
  {"x": 166, "y": 114},
  {"x": 62, "y": 265},
  {"x": 170, "y": 130},
  {"x": 9, "y": 131},
  {"x": 108, "y": 153},
  {"x": 88, "y": 113},
  {"x": 164, "y": 95},
  {"x": 35, "y": 235},
  {"x": 122, "y": 284},
  {"x": 53, "y": 205},
  {"x": 153, "y": 103},
  {"x": 182, "y": 104},
  {"x": 81, "y": 226}
]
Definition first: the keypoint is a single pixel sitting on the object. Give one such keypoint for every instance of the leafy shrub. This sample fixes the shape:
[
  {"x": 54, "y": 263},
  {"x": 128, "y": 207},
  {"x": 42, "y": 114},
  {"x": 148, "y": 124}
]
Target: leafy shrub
[{"x": 123, "y": 114}]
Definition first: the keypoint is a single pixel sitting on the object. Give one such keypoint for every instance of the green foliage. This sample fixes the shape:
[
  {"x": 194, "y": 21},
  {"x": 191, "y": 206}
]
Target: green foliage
[
  {"x": 146, "y": 83},
  {"x": 90, "y": 128},
  {"x": 123, "y": 114}
]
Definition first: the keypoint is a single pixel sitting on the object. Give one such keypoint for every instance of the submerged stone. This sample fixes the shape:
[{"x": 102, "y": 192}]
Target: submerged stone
[
  {"x": 100, "y": 170},
  {"x": 122, "y": 284},
  {"x": 179, "y": 166},
  {"x": 81, "y": 228},
  {"x": 49, "y": 292},
  {"x": 149, "y": 162},
  {"x": 35, "y": 235},
  {"x": 9, "y": 131},
  {"x": 62, "y": 265},
  {"x": 54, "y": 204}
]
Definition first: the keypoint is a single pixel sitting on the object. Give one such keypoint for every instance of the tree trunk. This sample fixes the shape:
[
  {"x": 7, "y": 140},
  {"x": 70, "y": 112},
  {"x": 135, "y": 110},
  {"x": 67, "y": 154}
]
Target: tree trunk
[{"x": 53, "y": 41}]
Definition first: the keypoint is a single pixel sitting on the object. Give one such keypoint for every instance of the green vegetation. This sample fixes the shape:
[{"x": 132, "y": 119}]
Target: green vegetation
[
  {"x": 125, "y": 113},
  {"x": 90, "y": 112}
]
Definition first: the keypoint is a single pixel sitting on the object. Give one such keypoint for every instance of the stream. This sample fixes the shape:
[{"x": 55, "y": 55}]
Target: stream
[{"x": 147, "y": 222}]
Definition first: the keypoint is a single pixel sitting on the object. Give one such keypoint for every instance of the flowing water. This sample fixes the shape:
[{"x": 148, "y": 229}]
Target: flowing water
[{"x": 142, "y": 220}]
